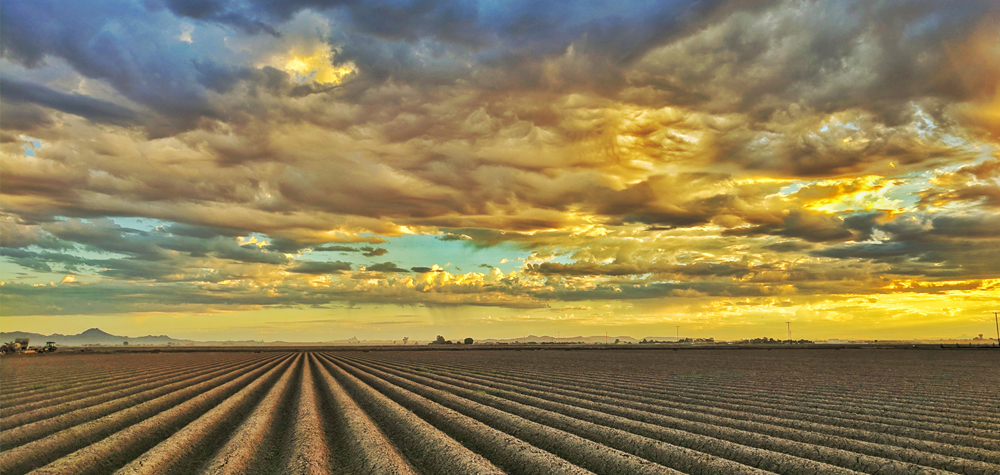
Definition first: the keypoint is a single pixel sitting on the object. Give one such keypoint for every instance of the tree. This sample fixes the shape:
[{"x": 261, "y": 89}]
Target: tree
[
  {"x": 440, "y": 341},
  {"x": 406, "y": 339},
  {"x": 469, "y": 341}
]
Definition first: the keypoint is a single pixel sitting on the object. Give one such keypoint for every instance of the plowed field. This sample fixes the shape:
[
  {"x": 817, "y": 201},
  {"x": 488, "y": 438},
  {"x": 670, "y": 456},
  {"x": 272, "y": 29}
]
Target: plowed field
[{"x": 547, "y": 411}]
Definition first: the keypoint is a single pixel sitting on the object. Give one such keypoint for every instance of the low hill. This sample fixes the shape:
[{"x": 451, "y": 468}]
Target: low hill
[{"x": 93, "y": 336}]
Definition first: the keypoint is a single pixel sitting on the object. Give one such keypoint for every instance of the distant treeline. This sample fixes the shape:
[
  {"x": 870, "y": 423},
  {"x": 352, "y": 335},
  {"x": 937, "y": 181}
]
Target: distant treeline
[
  {"x": 771, "y": 341},
  {"x": 682, "y": 340}
]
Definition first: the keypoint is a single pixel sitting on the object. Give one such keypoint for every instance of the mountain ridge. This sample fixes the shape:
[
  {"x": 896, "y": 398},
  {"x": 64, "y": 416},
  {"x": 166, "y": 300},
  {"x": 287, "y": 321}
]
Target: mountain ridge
[{"x": 92, "y": 336}]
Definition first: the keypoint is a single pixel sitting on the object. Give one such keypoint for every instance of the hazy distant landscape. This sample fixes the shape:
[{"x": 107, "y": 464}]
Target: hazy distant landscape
[{"x": 97, "y": 337}]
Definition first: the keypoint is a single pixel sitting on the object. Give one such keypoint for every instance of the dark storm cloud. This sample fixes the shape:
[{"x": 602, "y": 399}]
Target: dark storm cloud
[
  {"x": 94, "y": 109},
  {"x": 982, "y": 226},
  {"x": 15, "y": 236},
  {"x": 334, "y": 249},
  {"x": 138, "y": 61},
  {"x": 728, "y": 269},
  {"x": 660, "y": 290},
  {"x": 155, "y": 249},
  {"x": 424, "y": 270},
  {"x": 217, "y": 11},
  {"x": 828, "y": 56},
  {"x": 975, "y": 184},
  {"x": 789, "y": 246},
  {"x": 890, "y": 252},
  {"x": 811, "y": 226},
  {"x": 202, "y": 232},
  {"x": 386, "y": 267},
  {"x": 526, "y": 25},
  {"x": 891, "y": 63},
  {"x": 939, "y": 247},
  {"x": 545, "y": 127},
  {"x": 384, "y": 39},
  {"x": 985, "y": 195},
  {"x": 312, "y": 267},
  {"x": 138, "y": 269},
  {"x": 367, "y": 251},
  {"x": 21, "y": 117},
  {"x": 36, "y": 261}
]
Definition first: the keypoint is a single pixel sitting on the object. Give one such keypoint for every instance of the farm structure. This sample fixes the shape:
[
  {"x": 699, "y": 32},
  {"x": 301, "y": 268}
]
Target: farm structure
[{"x": 489, "y": 411}]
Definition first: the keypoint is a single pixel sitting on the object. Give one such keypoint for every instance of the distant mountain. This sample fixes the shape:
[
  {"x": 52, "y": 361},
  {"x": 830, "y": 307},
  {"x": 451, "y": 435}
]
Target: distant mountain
[
  {"x": 96, "y": 336},
  {"x": 565, "y": 339},
  {"x": 93, "y": 336}
]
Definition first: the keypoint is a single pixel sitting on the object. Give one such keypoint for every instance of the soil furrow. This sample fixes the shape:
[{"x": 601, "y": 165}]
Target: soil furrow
[
  {"x": 245, "y": 452},
  {"x": 686, "y": 432},
  {"x": 519, "y": 454},
  {"x": 50, "y": 397},
  {"x": 742, "y": 417},
  {"x": 794, "y": 393},
  {"x": 190, "y": 445},
  {"x": 977, "y": 437},
  {"x": 308, "y": 450},
  {"x": 45, "y": 386},
  {"x": 18, "y": 436},
  {"x": 367, "y": 450},
  {"x": 55, "y": 447},
  {"x": 426, "y": 447},
  {"x": 74, "y": 402}
]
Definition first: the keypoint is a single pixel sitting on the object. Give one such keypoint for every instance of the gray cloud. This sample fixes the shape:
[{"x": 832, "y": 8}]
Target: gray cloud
[
  {"x": 667, "y": 150},
  {"x": 94, "y": 109},
  {"x": 386, "y": 267},
  {"x": 313, "y": 267}
]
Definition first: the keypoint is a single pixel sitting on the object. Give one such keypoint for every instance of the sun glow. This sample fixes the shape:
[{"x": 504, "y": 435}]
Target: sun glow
[
  {"x": 867, "y": 193},
  {"x": 317, "y": 66}
]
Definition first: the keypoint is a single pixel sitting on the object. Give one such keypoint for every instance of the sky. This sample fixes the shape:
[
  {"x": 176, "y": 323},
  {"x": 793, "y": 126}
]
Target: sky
[{"x": 312, "y": 170}]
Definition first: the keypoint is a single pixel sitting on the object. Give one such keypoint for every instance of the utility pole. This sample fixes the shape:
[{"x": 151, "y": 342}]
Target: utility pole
[
  {"x": 605, "y": 338},
  {"x": 678, "y": 337},
  {"x": 789, "y": 324},
  {"x": 997, "y": 322}
]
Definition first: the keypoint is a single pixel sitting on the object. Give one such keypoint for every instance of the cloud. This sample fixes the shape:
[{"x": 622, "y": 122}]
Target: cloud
[
  {"x": 312, "y": 267},
  {"x": 226, "y": 13},
  {"x": 385, "y": 267},
  {"x": 334, "y": 249},
  {"x": 809, "y": 226},
  {"x": 369, "y": 251},
  {"x": 424, "y": 270},
  {"x": 972, "y": 184},
  {"x": 670, "y": 150},
  {"x": 93, "y": 109}
]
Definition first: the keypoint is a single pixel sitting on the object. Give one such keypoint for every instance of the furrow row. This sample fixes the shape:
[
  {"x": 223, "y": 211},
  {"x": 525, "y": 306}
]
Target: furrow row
[
  {"x": 85, "y": 430},
  {"x": 148, "y": 386},
  {"x": 32, "y": 399},
  {"x": 983, "y": 430},
  {"x": 458, "y": 412},
  {"x": 99, "y": 369},
  {"x": 795, "y": 416},
  {"x": 759, "y": 435},
  {"x": 922, "y": 409}
]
